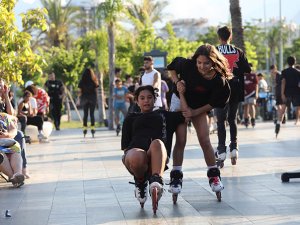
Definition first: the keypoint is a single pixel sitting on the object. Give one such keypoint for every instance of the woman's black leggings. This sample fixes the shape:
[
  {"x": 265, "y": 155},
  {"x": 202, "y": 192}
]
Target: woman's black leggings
[{"x": 89, "y": 106}]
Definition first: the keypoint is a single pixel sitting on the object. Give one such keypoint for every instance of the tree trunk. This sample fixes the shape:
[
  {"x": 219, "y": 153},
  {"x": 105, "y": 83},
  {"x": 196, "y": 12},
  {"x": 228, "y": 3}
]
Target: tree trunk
[
  {"x": 111, "y": 50},
  {"x": 101, "y": 100},
  {"x": 237, "y": 27}
]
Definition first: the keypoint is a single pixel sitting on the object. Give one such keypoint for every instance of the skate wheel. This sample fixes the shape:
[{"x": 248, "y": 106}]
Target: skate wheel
[
  {"x": 219, "y": 195},
  {"x": 220, "y": 164},
  {"x": 174, "y": 196},
  {"x": 285, "y": 178},
  {"x": 154, "y": 199},
  {"x": 142, "y": 205},
  {"x": 233, "y": 161}
]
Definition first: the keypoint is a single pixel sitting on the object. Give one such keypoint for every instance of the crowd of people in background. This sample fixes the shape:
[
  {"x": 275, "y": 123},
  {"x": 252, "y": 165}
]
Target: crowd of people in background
[{"x": 216, "y": 84}]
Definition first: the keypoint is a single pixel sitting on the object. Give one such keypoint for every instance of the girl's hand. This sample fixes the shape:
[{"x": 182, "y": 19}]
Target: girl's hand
[{"x": 188, "y": 113}]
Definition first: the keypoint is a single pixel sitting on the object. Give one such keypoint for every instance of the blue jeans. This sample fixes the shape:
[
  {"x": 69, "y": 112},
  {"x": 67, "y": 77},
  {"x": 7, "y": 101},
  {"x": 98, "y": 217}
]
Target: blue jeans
[{"x": 21, "y": 140}]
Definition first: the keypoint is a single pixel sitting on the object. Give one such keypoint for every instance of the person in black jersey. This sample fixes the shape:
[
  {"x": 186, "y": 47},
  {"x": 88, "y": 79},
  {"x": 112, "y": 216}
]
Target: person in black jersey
[
  {"x": 55, "y": 90},
  {"x": 202, "y": 81},
  {"x": 146, "y": 142},
  {"x": 238, "y": 65}
]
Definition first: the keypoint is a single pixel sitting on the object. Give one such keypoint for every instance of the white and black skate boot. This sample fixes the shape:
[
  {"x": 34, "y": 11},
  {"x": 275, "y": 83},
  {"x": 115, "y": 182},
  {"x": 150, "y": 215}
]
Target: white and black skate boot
[
  {"x": 220, "y": 155},
  {"x": 141, "y": 190},
  {"x": 156, "y": 190},
  {"x": 234, "y": 152},
  {"x": 175, "y": 183},
  {"x": 215, "y": 183}
]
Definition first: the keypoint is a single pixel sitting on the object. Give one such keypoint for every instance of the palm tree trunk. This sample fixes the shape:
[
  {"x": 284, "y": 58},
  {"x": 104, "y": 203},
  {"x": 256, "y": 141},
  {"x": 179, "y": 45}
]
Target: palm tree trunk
[
  {"x": 111, "y": 50},
  {"x": 237, "y": 27},
  {"x": 101, "y": 108}
]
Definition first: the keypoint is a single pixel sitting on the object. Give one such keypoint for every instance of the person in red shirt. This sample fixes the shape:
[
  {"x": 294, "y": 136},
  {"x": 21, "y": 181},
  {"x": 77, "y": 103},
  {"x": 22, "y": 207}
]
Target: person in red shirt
[
  {"x": 41, "y": 97},
  {"x": 251, "y": 93}
]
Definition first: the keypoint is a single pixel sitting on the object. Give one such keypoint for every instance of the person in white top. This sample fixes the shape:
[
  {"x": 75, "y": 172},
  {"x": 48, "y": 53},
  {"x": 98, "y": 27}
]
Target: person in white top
[{"x": 152, "y": 77}]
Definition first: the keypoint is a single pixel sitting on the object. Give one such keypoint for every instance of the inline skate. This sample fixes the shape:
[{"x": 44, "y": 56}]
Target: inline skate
[
  {"x": 155, "y": 190},
  {"x": 175, "y": 184},
  {"x": 277, "y": 129},
  {"x": 93, "y": 131},
  {"x": 118, "y": 129},
  {"x": 253, "y": 122},
  {"x": 233, "y": 153},
  {"x": 215, "y": 183},
  {"x": 84, "y": 130},
  {"x": 246, "y": 122},
  {"x": 220, "y": 155},
  {"x": 141, "y": 190}
]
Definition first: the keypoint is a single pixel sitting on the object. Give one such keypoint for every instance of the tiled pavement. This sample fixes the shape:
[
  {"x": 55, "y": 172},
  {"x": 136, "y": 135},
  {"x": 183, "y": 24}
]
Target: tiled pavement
[{"x": 79, "y": 181}]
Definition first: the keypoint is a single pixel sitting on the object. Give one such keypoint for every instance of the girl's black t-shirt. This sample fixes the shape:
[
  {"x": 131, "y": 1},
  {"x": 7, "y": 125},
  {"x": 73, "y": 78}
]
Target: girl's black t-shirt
[
  {"x": 140, "y": 129},
  {"x": 200, "y": 91}
]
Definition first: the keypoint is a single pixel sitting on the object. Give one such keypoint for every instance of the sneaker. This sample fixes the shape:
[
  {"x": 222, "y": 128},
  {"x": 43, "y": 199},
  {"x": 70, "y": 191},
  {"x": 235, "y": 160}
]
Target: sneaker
[
  {"x": 215, "y": 183},
  {"x": 176, "y": 181},
  {"x": 140, "y": 191},
  {"x": 17, "y": 180},
  {"x": 156, "y": 181}
]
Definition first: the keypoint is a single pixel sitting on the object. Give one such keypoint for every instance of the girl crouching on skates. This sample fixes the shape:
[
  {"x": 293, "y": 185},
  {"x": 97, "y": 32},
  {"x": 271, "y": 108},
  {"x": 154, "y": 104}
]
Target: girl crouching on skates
[
  {"x": 203, "y": 86},
  {"x": 146, "y": 136}
]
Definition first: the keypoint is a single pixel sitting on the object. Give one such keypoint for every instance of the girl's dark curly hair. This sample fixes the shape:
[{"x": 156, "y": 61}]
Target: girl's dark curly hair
[{"x": 152, "y": 90}]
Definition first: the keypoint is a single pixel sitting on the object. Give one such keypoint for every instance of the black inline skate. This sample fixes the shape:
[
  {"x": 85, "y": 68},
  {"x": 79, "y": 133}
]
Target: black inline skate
[
  {"x": 253, "y": 122},
  {"x": 215, "y": 183},
  {"x": 140, "y": 192},
  {"x": 246, "y": 122},
  {"x": 84, "y": 131},
  {"x": 234, "y": 152},
  {"x": 175, "y": 184},
  {"x": 220, "y": 155},
  {"x": 118, "y": 129},
  {"x": 93, "y": 131}
]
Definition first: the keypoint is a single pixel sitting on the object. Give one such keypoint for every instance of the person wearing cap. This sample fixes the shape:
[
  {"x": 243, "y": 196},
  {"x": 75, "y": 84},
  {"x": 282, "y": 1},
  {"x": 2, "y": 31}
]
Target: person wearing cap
[
  {"x": 41, "y": 96},
  {"x": 42, "y": 100}
]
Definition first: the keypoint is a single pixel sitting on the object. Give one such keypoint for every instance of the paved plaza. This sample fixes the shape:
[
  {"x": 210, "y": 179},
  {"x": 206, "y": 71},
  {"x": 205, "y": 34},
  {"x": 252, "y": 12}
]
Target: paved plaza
[{"x": 79, "y": 181}]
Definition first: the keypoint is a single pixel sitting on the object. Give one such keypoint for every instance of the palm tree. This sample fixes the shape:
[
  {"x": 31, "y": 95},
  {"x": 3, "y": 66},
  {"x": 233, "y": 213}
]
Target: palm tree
[
  {"x": 109, "y": 10},
  {"x": 237, "y": 27},
  {"x": 60, "y": 20},
  {"x": 146, "y": 13}
]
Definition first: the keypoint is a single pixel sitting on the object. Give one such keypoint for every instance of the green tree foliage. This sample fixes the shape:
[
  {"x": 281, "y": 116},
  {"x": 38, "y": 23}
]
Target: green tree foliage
[
  {"x": 146, "y": 13},
  {"x": 255, "y": 35},
  {"x": 60, "y": 20},
  {"x": 251, "y": 55},
  {"x": 210, "y": 37},
  {"x": 293, "y": 50},
  {"x": 16, "y": 53},
  {"x": 66, "y": 64},
  {"x": 110, "y": 10}
]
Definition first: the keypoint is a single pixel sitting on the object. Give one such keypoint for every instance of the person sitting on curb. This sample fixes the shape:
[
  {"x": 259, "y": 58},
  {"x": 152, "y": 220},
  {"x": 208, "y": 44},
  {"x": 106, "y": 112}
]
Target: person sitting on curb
[
  {"x": 26, "y": 116},
  {"x": 10, "y": 151},
  {"x": 7, "y": 107}
]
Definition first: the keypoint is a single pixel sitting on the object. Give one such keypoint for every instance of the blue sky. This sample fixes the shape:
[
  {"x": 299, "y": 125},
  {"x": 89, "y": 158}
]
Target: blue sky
[{"x": 216, "y": 11}]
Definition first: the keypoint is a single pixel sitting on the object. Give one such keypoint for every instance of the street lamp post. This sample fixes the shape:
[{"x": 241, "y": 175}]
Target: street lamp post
[{"x": 280, "y": 39}]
